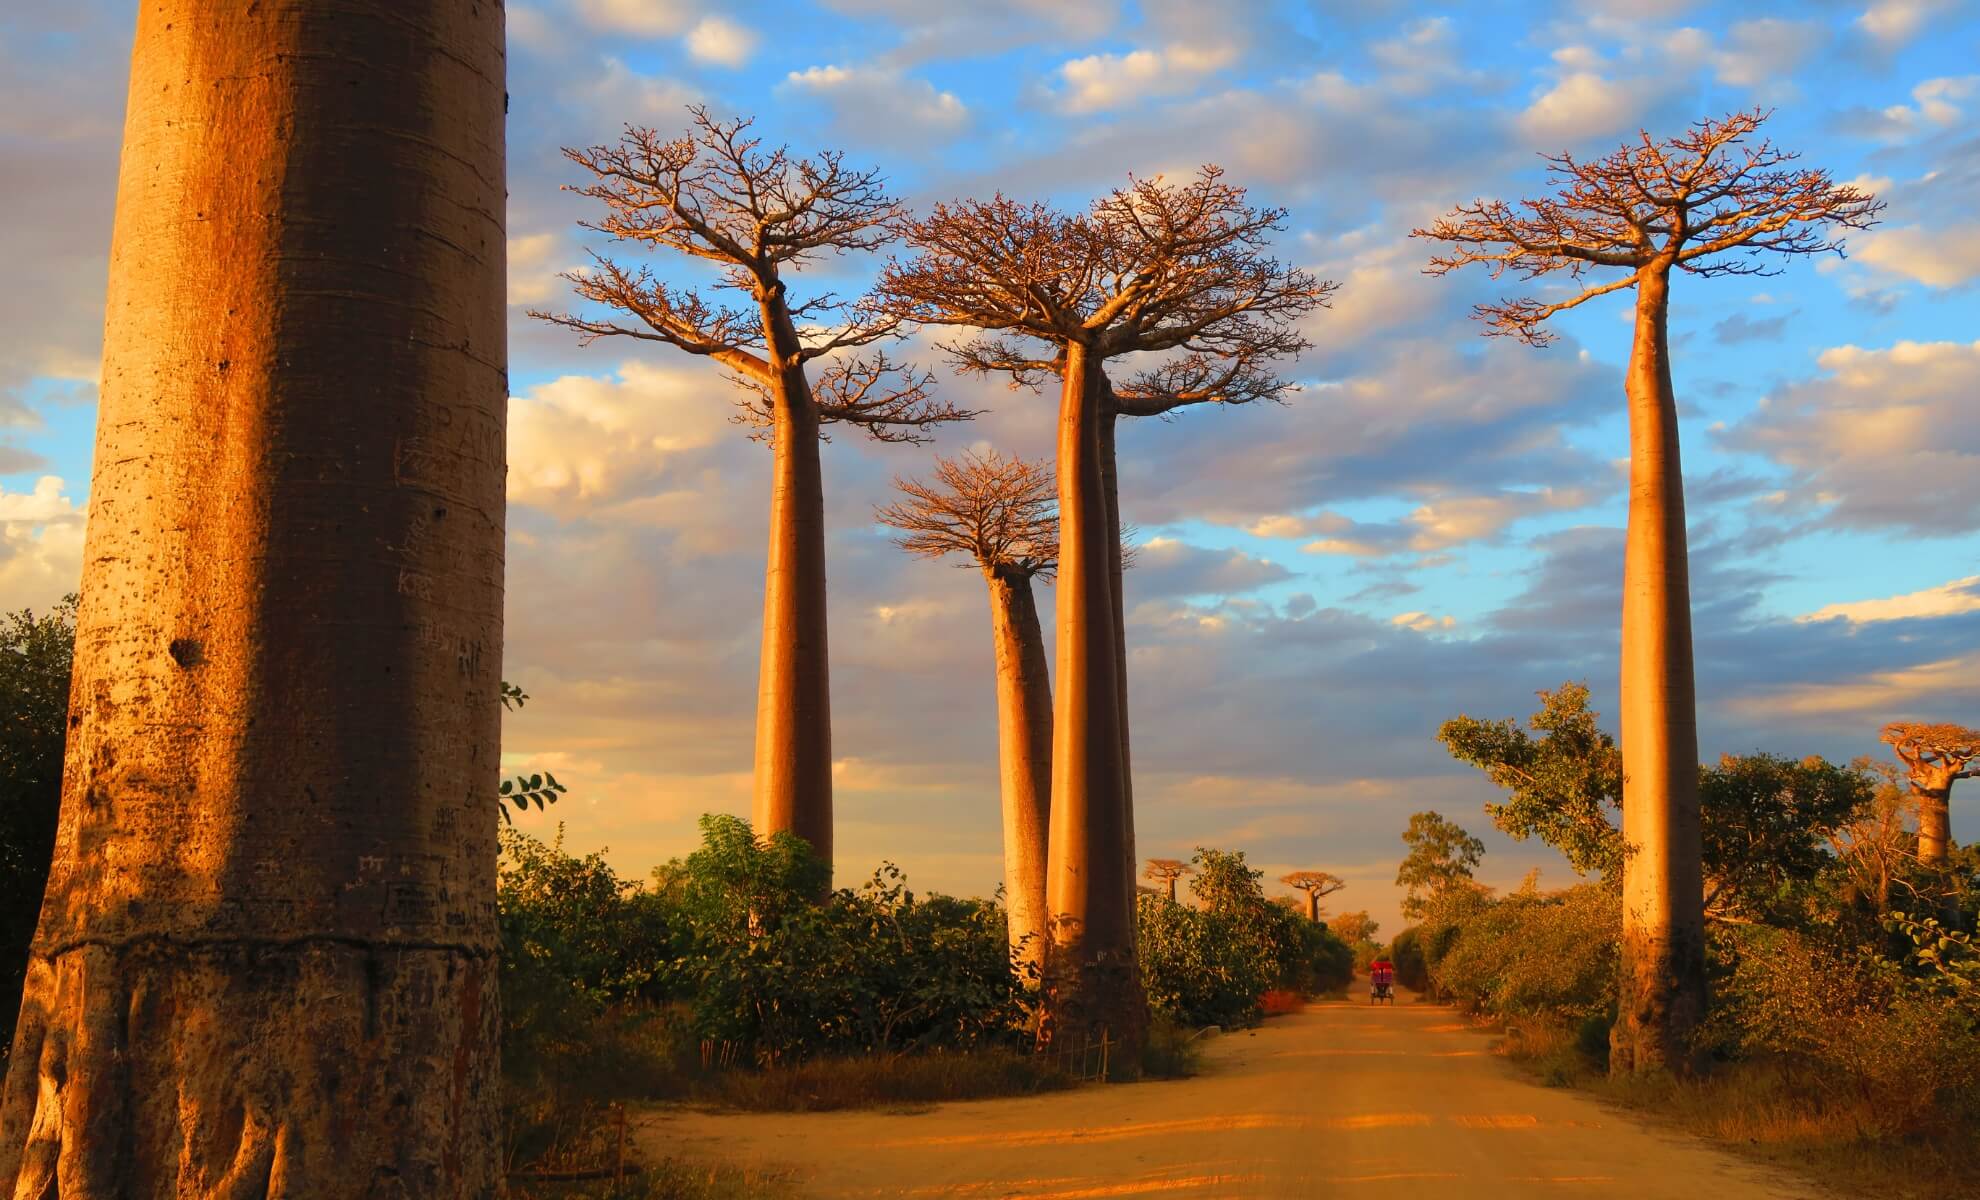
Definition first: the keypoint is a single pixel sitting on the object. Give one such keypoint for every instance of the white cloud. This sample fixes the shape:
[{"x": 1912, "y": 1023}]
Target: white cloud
[
  {"x": 1422, "y": 622},
  {"x": 1945, "y": 600},
  {"x": 1456, "y": 520},
  {"x": 719, "y": 40},
  {"x": 1892, "y": 23},
  {"x": 1581, "y": 104},
  {"x": 882, "y": 105},
  {"x": 1885, "y": 439},
  {"x": 41, "y": 535},
  {"x": 1940, "y": 258},
  {"x": 1103, "y": 81},
  {"x": 1935, "y": 102},
  {"x": 580, "y": 443},
  {"x": 642, "y": 18},
  {"x": 1876, "y": 696},
  {"x": 534, "y": 267},
  {"x": 1763, "y": 52}
]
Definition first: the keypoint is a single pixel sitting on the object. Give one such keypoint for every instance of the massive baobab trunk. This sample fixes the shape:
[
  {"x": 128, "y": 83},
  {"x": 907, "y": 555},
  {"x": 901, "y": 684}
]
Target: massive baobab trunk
[
  {"x": 793, "y": 699},
  {"x": 1934, "y": 791},
  {"x": 1024, "y": 741},
  {"x": 266, "y": 963},
  {"x": 1092, "y": 980},
  {"x": 1663, "y": 955},
  {"x": 1116, "y": 574}
]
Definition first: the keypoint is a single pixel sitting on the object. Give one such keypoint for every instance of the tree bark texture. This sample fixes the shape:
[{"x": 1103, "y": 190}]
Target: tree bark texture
[
  {"x": 1934, "y": 795},
  {"x": 266, "y": 962},
  {"x": 1313, "y": 907},
  {"x": 1024, "y": 748},
  {"x": 1092, "y": 983},
  {"x": 1116, "y": 575},
  {"x": 1663, "y": 952},
  {"x": 793, "y": 699}
]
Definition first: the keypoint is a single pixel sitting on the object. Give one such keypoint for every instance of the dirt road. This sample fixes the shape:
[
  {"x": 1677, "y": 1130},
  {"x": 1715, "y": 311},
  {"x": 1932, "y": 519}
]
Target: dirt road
[{"x": 1340, "y": 1100}]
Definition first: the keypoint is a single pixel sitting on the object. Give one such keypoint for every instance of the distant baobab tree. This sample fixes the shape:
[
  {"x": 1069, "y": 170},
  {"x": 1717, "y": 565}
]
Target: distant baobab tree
[
  {"x": 1315, "y": 884},
  {"x": 1934, "y": 757},
  {"x": 267, "y": 960},
  {"x": 715, "y": 194},
  {"x": 1708, "y": 202},
  {"x": 1166, "y": 871},
  {"x": 996, "y": 512},
  {"x": 1180, "y": 271}
]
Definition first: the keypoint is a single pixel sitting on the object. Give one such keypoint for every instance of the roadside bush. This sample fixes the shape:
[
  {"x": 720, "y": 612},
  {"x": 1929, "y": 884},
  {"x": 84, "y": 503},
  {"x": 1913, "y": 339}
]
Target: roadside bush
[
  {"x": 1907, "y": 1049},
  {"x": 1212, "y": 964},
  {"x": 1531, "y": 954}
]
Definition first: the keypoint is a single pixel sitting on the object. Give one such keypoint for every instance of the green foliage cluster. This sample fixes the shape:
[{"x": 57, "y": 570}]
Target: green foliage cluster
[
  {"x": 36, "y": 652},
  {"x": 1765, "y": 821},
  {"x": 734, "y": 941},
  {"x": 1211, "y": 963},
  {"x": 1441, "y": 856},
  {"x": 1531, "y": 953},
  {"x": 1820, "y": 973},
  {"x": 1905, "y": 1042}
]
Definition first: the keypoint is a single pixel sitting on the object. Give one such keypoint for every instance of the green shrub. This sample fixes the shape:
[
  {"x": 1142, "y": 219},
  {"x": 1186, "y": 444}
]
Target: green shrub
[
  {"x": 1212, "y": 964},
  {"x": 1906, "y": 1047},
  {"x": 1534, "y": 954}
]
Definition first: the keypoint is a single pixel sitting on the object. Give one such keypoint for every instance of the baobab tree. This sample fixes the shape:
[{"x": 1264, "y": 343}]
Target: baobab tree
[
  {"x": 273, "y": 882},
  {"x": 1708, "y": 202},
  {"x": 1180, "y": 271},
  {"x": 1315, "y": 884},
  {"x": 717, "y": 195},
  {"x": 1166, "y": 871},
  {"x": 996, "y": 512},
  {"x": 1934, "y": 757}
]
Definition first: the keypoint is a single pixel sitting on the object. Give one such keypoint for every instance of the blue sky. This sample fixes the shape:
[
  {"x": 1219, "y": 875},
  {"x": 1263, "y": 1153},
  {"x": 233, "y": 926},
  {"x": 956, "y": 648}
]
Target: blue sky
[{"x": 1432, "y": 524}]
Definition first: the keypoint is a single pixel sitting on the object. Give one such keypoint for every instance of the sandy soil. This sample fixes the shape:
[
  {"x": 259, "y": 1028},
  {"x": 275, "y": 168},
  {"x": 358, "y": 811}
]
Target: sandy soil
[{"x": 1340, "y": 1100}]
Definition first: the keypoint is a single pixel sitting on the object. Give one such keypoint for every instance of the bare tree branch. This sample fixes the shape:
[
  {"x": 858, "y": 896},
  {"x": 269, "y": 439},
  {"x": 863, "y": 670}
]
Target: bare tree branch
[
  {"x": 997, "y": 511},
  {"x": 1150, "y": 267},
  {"x": 1710, "y": 201}
]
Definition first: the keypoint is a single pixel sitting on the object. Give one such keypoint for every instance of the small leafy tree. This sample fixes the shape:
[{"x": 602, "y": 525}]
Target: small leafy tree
[
  {"x": 1441, "y": 855},
  {"x": 1562, "y": 786}
]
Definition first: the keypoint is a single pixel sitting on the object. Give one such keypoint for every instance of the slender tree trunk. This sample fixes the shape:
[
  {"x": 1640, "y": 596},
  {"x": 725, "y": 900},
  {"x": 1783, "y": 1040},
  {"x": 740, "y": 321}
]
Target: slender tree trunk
[
  {"x": 1313, "y": 907},
  {"x": 1172, "y": 889},
  {"x": 1663, "y": 952},
  {"x": 1024, "y": 747},
  {"x": 1116, "y": 573},
  {"x": 793, "y": 699},
  {"x": 266, "y": 962},
  {"x": 1092, "y": 980}
]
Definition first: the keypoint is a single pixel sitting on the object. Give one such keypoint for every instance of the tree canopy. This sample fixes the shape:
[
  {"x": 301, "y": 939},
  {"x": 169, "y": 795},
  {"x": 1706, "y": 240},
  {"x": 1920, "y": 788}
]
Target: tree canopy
[
  {"x": 1178, "y": 269},
  {"x": 996, "y": 511},
  {"x": 1441, "y": 854},
  {"x": 1710, "y": 201}
]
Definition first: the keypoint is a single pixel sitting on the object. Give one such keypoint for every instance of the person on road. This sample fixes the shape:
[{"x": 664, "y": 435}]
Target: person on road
[{"x": 1381, "y": 976}]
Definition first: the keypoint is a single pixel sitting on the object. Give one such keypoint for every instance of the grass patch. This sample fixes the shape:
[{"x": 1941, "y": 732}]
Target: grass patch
[
  {"x": 1173, "y": 1051},
  {"x": 1787, "y": 1114}
]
